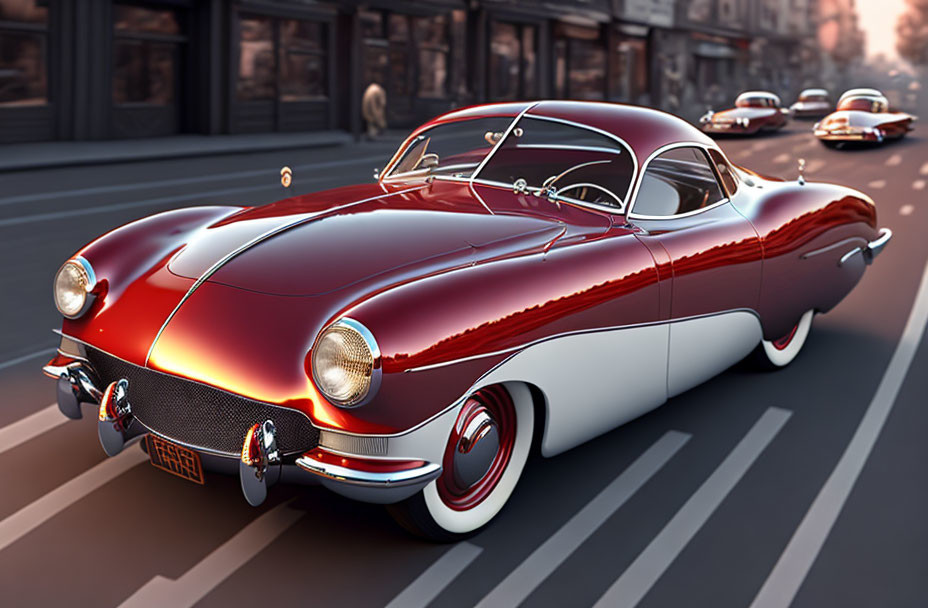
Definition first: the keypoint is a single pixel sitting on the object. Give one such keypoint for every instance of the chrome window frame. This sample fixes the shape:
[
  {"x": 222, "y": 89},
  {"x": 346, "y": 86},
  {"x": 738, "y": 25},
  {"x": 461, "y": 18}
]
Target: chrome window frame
[
  {"x": 605, "y": 208},
  {"x": 644, "y": 168}
]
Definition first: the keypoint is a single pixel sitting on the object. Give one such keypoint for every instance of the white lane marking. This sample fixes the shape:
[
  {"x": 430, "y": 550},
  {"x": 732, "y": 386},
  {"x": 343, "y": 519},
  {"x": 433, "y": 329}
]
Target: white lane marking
[
  {"x": 31, "y": 426},
  {"x": 761, "y": 145},
  {"x": 782, "y": 158},
  {"x": 181, "y": 181},
  {"x": 648, "y": 567},
  {"x": 894, "y": 160},
  {"x": 815, "y": 165},
  {"x": 918, "y": 184},
  {"x": 877, "y": 184},
  {"x": 436, "y": 577},
  {"x": 907, "y": 209},
  {"x": 38, "y": 512},
  {"x": 793, "y": 566},
  {"x": 24, "y": 358},
  {"x": 216, "y": 567},
  {"x": 522, "y": 581},
  {"x": 924, "y": 169}
]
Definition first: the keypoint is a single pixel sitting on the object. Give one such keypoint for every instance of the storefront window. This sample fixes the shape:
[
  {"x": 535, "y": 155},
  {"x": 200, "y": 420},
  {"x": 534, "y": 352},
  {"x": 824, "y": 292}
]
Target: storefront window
[
  {"x": 256, "y": 70},
  {"x": 23, "y": 53},
  {"x": 512, "y": 61},
  {"x": 300, "y": 58},
  {"x": 432, "y": 39},
  {"x": 145, "y": 55},
  {"x": 628, "y": 70},
  {"x": 400, "y": 85},
  {"x": 579, "y": 62}
]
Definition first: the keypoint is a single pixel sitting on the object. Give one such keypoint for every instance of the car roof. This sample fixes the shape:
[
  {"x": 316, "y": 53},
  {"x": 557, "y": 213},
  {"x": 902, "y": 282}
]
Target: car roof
[
  {"x": 767, "y": 94},
  {"x": 813, "y": 92},
  {"x": 645, "y": 130},
  {"x": 862, "y": 92}
]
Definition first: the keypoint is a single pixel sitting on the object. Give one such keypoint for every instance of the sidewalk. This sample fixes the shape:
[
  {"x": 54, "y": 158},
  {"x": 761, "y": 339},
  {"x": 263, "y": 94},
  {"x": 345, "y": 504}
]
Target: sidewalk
[{"x": 41, "y": 155}]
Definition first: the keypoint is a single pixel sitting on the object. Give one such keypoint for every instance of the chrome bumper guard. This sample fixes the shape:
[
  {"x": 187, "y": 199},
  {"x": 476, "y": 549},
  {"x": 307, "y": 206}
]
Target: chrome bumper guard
[
  {"x": 370, "y": 486},
  {"x": 871, "y": 250},
  {"x": 76, "y": 385}
]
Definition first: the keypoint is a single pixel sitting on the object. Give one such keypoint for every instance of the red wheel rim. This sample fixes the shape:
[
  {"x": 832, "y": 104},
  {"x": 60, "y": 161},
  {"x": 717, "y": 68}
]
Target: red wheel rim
[
  {"x": 785, "y": 340},
  {"x": 497, "y": 402}
]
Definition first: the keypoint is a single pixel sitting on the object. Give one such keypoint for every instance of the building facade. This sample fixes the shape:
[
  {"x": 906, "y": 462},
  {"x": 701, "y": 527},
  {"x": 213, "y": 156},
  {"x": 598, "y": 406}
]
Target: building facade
[{"x": 109, "y": 69}]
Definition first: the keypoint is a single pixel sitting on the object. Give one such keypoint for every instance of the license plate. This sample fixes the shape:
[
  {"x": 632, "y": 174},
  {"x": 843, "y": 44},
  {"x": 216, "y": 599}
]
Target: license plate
[{"x": 175, "y": 459}]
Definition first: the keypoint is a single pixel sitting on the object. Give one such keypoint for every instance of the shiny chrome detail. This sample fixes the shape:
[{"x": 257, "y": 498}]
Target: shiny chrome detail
[
  {"x": 75, "y": 386},
  {"x": 874, "y": 248},
  {"x": 115, "y": 417},
  {"x": 89, "y": 279},
  {"x": 286, "y": 177},
  {"x": 828, "y": 248},
  {"x": 802, "y": 167},
  {"x": 251, "y": 243},
  {"x": 359, "y": 445},
  {"x": 476, "y": 449},
  {"x": 871, "y": 250},
  {"x": 420, "y": 475},
  {"x": 376, "y": 364},
  {"x": 259, "y": 466}
]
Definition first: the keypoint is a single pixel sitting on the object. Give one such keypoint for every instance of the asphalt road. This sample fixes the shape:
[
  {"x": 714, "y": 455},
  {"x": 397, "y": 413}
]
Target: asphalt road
[{"x": 752, "y": 488}]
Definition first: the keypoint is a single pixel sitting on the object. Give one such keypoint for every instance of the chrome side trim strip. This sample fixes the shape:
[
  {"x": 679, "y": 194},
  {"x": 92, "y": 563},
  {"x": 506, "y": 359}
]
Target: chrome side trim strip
[
  {"x": 370, "y": 479},
  {"x": 828, "y": 248},
  {"x": 258, "y": 239},
  {"x": 874, "y": 248}
]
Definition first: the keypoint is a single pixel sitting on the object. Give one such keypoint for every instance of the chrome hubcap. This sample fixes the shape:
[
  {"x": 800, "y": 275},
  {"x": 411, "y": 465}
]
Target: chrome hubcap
[{"x": 476, "y": 449}]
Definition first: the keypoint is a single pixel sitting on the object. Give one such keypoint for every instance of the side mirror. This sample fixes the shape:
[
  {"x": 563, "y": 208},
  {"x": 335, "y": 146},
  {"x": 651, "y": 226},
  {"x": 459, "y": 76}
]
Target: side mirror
[{"x": 429, "y": 161}]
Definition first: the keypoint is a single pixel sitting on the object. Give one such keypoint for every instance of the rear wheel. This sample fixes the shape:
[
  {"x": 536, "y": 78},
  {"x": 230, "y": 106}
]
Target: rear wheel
[
  {"x": 484, "y": 457},
  {"x": 774, "y": 354}
]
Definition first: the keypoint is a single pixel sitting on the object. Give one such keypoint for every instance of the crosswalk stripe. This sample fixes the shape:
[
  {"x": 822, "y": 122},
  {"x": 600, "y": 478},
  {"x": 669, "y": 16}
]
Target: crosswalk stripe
[
  {"x": 650, "y": 565},
  {"x": 38, "y": 512},
  {"x": 520, "y": 583},
  {"x": 794, "y": 564},
  {"x": 216, "y": 567},
  {"x": 436, "y": 577},
  {"x": 30, "y": 427}
]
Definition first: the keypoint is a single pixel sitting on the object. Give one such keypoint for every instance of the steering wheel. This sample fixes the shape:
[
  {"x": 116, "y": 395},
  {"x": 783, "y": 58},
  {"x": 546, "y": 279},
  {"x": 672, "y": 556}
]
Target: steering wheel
[{"x": 591, "y": 193}]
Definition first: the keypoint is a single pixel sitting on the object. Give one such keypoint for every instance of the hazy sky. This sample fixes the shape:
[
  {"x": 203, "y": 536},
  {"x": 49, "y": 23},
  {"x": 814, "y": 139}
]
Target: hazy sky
[{"x": 878, "y": 19}]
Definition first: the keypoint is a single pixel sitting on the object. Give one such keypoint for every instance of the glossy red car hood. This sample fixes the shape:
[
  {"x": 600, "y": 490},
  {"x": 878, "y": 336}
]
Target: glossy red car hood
[{"x": 319, "y": 243}]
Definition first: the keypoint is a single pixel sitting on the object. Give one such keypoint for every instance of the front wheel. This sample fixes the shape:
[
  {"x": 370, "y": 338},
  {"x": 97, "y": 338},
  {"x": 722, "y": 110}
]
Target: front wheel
[
  {"x": 484, "y": 457},
  {"x": 774, "y": 354}
]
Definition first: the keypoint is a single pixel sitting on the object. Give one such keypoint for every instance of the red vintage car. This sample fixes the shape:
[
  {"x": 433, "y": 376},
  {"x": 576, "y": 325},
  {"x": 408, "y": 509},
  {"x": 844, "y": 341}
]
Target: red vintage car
[
  {"x": 519, "y": 275},
  {"x": 812, "y": 103},
  {"x": 863, "y": 115},
  {"x": 754, "y": 112}
]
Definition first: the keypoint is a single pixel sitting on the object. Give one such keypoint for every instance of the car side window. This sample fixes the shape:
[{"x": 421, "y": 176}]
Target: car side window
[
  {"x": 726, "y": 174},
  {"x": 678, "y": 181}
]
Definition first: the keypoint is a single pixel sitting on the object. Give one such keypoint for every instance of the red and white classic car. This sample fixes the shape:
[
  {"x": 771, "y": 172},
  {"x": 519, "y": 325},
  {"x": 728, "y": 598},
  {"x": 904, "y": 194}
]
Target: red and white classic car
[
  {"x": 754, "y": 112},
  {"x": 409, "y": 341},
  {"x": 812, "y": 103},
  {"x": 863, "y": 115}
]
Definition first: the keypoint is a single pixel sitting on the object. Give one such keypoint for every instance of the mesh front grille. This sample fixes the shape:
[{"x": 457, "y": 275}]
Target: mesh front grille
[{"x": 198, "y": 415}]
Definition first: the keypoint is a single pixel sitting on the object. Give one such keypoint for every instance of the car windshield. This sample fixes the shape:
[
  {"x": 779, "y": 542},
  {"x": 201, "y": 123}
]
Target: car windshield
[
  {"x": 454, "y": 149},
  {"x": 863, "y": 104},
  {"x": 754, "y": 102},
  {"x": 581, "y": 164}
]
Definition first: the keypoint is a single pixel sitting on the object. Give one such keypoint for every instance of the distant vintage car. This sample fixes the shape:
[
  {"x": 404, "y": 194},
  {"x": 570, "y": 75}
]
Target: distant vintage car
[
  {"x": 754, "y": 112},
  {"x": 863, "y": 115},
  {"x": 519, "y": 275},
  {"x": 812, "y": 103}
]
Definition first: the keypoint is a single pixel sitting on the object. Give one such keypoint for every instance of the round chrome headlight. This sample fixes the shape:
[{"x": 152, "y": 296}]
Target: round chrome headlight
[
  {"x": 73, "y": 284},
  {"x": 346, "y": 363}
]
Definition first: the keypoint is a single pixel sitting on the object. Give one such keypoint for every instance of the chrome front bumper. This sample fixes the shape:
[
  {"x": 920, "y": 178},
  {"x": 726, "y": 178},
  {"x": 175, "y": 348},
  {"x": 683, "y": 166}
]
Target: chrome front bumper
[
  {"x": 871, "y": 249},
  {"x": 383, "y": 487}
]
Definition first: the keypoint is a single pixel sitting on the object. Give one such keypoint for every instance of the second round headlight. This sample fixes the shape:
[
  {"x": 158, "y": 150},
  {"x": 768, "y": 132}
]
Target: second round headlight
[{"x": 346, "y": 363}]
